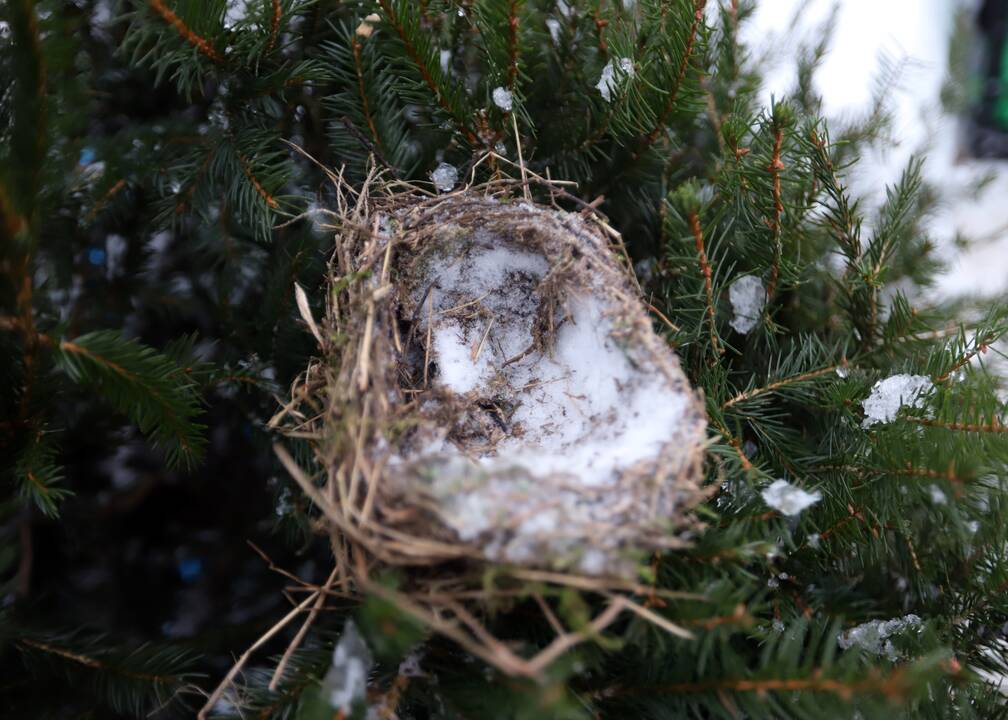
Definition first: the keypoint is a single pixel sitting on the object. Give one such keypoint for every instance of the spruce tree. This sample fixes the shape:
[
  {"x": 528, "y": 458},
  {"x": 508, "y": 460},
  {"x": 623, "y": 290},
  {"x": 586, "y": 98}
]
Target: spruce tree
[{"x": 166, "y": 176}]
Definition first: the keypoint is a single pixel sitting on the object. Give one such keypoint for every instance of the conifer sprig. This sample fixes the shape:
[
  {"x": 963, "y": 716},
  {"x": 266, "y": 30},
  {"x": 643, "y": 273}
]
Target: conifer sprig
[
  {"x": 142, "y": 383},
  {"x": 134, "y": 682}
]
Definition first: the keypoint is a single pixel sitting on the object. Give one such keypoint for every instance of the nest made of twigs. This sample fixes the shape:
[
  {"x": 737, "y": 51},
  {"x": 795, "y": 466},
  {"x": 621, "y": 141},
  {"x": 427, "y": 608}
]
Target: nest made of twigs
[{"x": 444, "y": 436}]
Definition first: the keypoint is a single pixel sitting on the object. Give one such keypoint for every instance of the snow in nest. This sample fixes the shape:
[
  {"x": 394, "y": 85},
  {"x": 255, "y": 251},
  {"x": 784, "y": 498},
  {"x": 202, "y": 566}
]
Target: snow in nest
[
  {"x": 445, "y": 177},
  {"x": 747, "y": 296},
  {"x": 874, "y": 636},
  {"x": 607, "y": 83},
  {"x": 890, "y": 395},
  {"x": 789, "y": 499},
  {"x": 574, "y": 420}
]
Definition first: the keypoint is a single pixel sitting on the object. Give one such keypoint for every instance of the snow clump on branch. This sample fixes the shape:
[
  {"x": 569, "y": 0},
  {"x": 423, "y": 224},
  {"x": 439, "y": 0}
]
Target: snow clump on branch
[
  {"x": 607, "y": 83},
  {"x": 890, "y": 395},
  {"x": 789, "y": 499}
]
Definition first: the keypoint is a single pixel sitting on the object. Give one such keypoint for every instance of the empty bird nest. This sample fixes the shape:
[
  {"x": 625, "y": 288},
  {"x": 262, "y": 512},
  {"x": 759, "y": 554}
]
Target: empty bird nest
[{"x": 490, "y": 393}]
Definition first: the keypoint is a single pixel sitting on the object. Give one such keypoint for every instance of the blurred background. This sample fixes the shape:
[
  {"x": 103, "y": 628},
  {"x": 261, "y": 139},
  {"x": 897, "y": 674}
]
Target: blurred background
[{"x": 939, "y": 68}]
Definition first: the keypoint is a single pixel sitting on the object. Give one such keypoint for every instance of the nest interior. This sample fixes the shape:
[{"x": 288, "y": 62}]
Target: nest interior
[{"x": 492, "y": 388}]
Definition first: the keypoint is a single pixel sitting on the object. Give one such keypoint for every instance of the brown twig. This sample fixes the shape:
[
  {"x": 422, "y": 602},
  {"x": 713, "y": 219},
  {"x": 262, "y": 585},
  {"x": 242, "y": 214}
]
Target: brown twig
[
  {"x": 274, "y": 25},
  {"x": 734, "y": 442},
  {"x": 775, "y": 167},
  {"x": 705, "y": 268},
  {"x": 240, "y": 663},
  {"x": 90, "y": 662},
  {"x": 198, "y": 42},
  {"x": 981, "y": 347},
  {"x": 739, "y": 617},
  {"x": 994, "y": 426},
  {"x": 891, "y": 686},
  {"x": 600, "y": 25},
  {"x": 299, "y": 637},
  {"x": 661, "y": 316},
  {"x": 365, "y": 103},
  {"x": 263, "y": 192},
  {"x": 949, "y": 475},
  {"x": 104, "y": 200},
  {"x": 513, "y": 47}
]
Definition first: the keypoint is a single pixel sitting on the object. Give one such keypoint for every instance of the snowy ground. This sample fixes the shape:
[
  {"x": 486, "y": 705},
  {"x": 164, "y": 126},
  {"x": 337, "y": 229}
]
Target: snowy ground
[{"x": 867, "y": 33}]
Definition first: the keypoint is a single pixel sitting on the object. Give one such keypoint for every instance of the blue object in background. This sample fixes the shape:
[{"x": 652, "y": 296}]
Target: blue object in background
[
  {"x": 87, "y": 156},
  {"x": 96, "y": 256},
  {"x": 190, "y": 569}
]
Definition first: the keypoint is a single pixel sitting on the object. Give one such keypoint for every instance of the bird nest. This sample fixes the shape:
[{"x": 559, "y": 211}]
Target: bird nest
[{"x": 489, "y": 392}]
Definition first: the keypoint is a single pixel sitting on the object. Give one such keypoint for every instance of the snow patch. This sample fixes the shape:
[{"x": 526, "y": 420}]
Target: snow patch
[
  {"x": 938, "y": 496},
  {"x": 890, "y": 395},
  {"x": 565, "y": 426},
  {"x": 607, "y": 83},
  {"x": 747, "y": 296},
  {"x": 235, "y": 13},
  {"x": 553, "y": 25},
  {"x": 503, "y": 98},
  {"x": 346, "y": 682},
  {"x": 789, "y": 499},
  {"x": 445, "y": 177},
  {"x": 873, "y": 636}
]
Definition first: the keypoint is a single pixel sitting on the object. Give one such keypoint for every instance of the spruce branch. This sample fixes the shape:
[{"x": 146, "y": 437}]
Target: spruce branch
[
  {"x": 20, "y": 215},
  {"x": 256, "y": 184},
  {"x": 775, "y": 168},
  {"x": 680, "y": 77},
  {"x": 705, "y": 269},
  {"x": 134, "y": 682},
  {"x": 406, "y": 25},
  {"x": 782, "y": 383},
  {"x": 146, "y": 385},
  {"x": 185, "y": 32},
  {"x": 994, "y": 425},
  {"x": 365, "y": 103},
  {"x": 29, "y": 119},
  {"x": 274, "y": 25},
  {"x": 39, "y": 475},
  {"x": 513, "y": 47},
  {"x": 733, "y": 441},
  {"x": 104, "y": 200}
]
